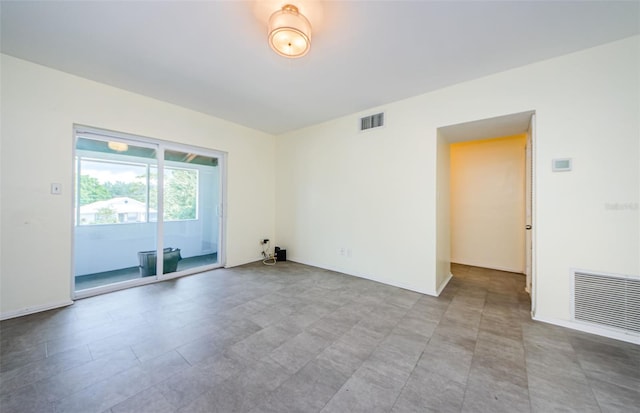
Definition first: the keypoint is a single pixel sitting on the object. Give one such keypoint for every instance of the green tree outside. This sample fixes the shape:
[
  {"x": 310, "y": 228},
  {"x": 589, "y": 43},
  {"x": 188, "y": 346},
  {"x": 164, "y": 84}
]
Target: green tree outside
[
  {"x": 136, "y": 190},
  {"x": 91, "y": 190},
  {"x": 180, "y": 194}
]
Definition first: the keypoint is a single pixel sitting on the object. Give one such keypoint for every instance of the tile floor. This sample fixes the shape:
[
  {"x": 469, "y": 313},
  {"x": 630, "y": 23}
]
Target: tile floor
[{"x": 293, "y": 338}]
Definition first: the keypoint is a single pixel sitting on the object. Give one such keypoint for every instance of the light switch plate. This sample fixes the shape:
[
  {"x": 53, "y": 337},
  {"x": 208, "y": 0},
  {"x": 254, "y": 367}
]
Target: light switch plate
[{"x": 56, "y": 189}]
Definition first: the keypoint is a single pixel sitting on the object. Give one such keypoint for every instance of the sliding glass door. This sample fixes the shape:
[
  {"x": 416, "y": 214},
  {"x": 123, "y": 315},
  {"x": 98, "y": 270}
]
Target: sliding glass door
[
  {"x": 144, "y": 210},
  {"x": 191, "y": 209}
]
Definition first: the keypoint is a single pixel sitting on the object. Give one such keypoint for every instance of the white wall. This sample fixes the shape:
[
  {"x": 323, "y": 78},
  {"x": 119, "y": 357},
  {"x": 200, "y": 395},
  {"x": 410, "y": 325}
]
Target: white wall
[
  {"x": 375, "y": 192},
  {"x": 338, "y": 188},
  {"x": 39, "y": 108},
  {"x": 372, "y": 195},
  {"x": 487, "y": 203}
]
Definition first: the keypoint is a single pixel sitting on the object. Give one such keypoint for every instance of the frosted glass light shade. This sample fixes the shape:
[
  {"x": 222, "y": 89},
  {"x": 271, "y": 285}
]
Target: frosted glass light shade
[{"x": 289, "y": 32}]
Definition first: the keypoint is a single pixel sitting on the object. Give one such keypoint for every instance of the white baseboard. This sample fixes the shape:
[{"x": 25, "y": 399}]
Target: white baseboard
[
  {"x": 592, "y": 329},
  {"x": 32, "y": 310},
  {"x": 444, "y": 284}
]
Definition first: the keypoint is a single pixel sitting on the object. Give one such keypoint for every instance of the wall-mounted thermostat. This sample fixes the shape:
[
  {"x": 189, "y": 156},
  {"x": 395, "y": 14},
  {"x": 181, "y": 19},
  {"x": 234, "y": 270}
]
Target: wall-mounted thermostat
[{"x": 561, "y": 165}]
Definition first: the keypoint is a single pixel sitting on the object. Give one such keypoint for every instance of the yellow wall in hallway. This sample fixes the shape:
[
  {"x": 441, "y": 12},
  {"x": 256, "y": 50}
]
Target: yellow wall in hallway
[{"x": 488, "y": 203}]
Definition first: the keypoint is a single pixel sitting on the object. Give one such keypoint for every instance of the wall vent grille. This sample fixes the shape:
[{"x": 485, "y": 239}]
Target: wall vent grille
[
  {"x": 373, "y": 121},
  {"x": 607, "y": 300}
]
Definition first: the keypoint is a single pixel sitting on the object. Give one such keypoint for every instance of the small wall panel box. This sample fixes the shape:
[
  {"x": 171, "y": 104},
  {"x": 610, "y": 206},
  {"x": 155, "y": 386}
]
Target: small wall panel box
[{"x": 561, "y": 165}]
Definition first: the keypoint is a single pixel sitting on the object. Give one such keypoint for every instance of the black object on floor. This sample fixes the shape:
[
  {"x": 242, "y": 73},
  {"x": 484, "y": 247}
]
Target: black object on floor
[
  {"x": 281, "y": 255},
  {"x": 170, "y": 256}
]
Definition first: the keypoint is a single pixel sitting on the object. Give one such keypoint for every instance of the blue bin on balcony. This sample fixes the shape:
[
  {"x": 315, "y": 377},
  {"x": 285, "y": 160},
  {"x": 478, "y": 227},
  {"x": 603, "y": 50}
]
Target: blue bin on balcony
[{"x": 147, "y": 259}]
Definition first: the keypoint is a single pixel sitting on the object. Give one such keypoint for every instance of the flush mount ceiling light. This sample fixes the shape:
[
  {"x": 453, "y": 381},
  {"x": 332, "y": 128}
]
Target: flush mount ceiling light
[
  {"x": 117, "y": 146},
  {"x": 289, "y": 32}
]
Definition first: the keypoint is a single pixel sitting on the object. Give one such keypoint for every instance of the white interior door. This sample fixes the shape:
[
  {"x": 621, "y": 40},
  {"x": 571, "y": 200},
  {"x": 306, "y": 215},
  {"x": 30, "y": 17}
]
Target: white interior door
[{"x": 529, "y": 206}]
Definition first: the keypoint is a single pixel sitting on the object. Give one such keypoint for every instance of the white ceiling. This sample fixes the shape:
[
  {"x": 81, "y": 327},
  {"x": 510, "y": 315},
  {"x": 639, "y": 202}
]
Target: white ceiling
[{"x": 213, "y": 56}]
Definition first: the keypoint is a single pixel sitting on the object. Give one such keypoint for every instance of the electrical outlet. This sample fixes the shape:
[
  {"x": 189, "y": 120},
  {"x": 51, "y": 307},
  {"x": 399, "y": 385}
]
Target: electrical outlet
[{"x": 56, "y": 189}]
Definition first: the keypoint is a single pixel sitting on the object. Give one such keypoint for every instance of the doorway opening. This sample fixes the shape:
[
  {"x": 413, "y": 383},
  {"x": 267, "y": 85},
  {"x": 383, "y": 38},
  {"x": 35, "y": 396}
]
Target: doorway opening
[
  {"x": 488, "y": 226},
  {"x": 144, "y": 210}
]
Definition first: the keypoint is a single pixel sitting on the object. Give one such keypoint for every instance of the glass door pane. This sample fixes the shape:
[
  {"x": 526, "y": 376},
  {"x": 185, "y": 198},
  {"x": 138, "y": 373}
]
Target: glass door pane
[
  {"x": 115, "y": 212},
  {"x": 191, "y": 229}
]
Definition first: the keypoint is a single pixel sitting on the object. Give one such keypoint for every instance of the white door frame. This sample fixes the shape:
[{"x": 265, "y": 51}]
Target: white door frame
[
  {"x": 530, "y": 218},
  {"x": 505, "y": 125}
]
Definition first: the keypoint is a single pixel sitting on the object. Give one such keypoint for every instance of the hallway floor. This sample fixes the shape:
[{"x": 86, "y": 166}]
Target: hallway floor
[{"x": 294, "y": 338}]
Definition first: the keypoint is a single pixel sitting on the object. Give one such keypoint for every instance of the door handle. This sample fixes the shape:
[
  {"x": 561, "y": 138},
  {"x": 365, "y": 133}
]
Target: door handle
[{"x": 527, "y": 227}]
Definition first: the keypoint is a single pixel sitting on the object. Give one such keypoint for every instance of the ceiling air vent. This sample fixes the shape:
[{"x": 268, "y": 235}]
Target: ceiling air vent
[
  {"x": 373, "y": 121},
  {"x": 611, "y": 301}
]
